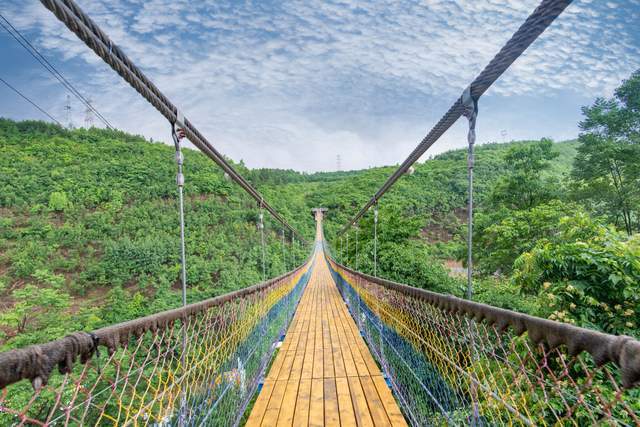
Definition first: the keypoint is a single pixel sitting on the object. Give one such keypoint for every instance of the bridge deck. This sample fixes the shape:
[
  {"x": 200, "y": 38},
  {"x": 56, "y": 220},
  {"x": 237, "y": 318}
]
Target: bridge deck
[{"x": 324, "y": 373}]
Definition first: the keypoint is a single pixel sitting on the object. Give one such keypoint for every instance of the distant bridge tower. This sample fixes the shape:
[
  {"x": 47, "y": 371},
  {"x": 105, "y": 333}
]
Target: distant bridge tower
[
  {"x": 88, "y": 115},
  {"x": 67, "y": 110}
]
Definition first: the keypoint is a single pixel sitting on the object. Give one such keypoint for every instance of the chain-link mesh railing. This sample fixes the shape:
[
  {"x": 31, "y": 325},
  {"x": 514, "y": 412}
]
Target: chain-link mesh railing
[
  {"x": 454, "y": 362},
  {"x": 142, "y": 372}
]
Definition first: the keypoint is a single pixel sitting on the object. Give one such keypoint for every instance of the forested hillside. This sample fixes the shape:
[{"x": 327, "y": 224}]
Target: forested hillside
[{"x": 89, "y": 225}]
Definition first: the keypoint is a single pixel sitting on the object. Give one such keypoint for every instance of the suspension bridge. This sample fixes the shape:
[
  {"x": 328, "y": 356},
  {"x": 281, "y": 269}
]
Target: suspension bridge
[{"x": 323, "y": 344}]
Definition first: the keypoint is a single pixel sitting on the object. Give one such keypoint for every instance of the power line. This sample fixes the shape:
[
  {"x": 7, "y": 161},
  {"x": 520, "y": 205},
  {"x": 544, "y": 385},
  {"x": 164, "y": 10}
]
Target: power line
[
  {"x": 24, "y": 42},
  {"x": 30, "y": 101}
]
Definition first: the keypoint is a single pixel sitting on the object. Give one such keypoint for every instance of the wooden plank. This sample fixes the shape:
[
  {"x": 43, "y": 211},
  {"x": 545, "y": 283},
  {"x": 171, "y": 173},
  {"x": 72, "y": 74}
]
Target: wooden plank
[
  {"x": 259, "y": 408},
  {"x": 273, "y": 408},
  {"x": 287, "y": 410},
  {"x": 376, "y": 408},
  {"x": 359, "y": 401},
  {"x": 331, "y": 409},
  {"x": 296, "y": 367},
  {"x": 316, "y": 406},
  {"x": 275, "y": 367},
  {"x": 389, "y": 402},
  {"x": 347, "y": 416},
  {"x": 301, "y": 415},
  {"x": 286, "y": 365}
]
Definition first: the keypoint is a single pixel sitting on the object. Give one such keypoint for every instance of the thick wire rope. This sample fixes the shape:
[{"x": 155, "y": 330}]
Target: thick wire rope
[
  {"x": 42, "y": 110},
  {"x": 68, "y": 12},
  {"x": 33, "y": 51},
  {"x": 529, "y": 31}
]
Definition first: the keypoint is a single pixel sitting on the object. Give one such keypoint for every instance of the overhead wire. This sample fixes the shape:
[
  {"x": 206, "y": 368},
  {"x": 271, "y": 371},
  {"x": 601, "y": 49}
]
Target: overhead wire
[
  {"x": 42, "y": 110},
  {"x": 33, "y": 51}
]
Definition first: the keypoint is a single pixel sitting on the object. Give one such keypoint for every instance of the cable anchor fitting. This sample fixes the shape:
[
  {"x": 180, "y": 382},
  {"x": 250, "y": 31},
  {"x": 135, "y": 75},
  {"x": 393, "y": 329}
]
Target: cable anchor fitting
[
  {"x": 470, "y": 111},
  {"x": 178, "y": 133}
]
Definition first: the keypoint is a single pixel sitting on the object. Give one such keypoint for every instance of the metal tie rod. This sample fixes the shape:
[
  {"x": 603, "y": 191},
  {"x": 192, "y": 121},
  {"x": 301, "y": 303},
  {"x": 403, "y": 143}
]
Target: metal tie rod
[
  {"x": 70, "y": 14},
  {"x": 528, "y": 32}
]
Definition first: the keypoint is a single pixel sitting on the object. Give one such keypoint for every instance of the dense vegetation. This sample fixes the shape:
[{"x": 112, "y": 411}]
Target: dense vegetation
[{"x": 89, "y": 226}]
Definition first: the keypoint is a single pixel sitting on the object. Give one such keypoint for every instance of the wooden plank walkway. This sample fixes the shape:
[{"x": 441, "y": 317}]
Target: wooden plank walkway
[{"x": 324, "y": 373}]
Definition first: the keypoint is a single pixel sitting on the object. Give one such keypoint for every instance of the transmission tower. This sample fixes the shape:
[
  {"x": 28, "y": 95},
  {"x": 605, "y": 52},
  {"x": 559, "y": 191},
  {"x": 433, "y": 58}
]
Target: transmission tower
[
  {"x": 67, "y": 109},
  {"x": 503, "y": 133},
  {"x": 338, "y": 162},
  {"x": 88, "y": 114}
]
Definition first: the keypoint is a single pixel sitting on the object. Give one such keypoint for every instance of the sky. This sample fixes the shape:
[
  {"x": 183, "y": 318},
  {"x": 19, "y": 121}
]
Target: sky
[{"x": 294, "y": 84}]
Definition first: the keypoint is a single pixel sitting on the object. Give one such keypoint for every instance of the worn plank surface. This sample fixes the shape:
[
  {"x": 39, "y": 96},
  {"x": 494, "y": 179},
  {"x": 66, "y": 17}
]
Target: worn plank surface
[{"x": 324, "y": 374}]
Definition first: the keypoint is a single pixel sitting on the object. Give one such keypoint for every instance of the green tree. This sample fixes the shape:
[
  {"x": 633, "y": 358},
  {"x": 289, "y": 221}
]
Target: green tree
[
  {"x": 58, "y": 201},
  {"x": 607, "y": 166},
  {"x": 586, "y": 273},
  {"x": 524, "y": 186},
  {"x": 36, "y": 315},
  {"x": 501, "y": 236}
]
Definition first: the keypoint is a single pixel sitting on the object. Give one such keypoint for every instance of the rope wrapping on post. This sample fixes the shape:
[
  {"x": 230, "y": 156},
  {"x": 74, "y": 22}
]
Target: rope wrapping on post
[
  {"x": 529, "y": 31},
  {"x": 69, "y": 13}
]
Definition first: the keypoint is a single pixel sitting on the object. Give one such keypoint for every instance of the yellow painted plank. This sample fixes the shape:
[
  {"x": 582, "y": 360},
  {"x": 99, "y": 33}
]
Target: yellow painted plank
[
  {"x": 287, "y": 410},
  {"x": 301, "y": 415},
  {"x": 359, "y": 401},
  {"x": 286, "y": 365},
  {"x": 376, "y": 408},
  {"x": 347, "y": 416},
  {"x": 331, "y": 409},
  {"x": 273, "y": 408},
  {"x": 259, "y": 408},
  {"x": 316, "y": 405},
  {"x": 296, "y": 367},
  {"x": 390, "y": 405}
]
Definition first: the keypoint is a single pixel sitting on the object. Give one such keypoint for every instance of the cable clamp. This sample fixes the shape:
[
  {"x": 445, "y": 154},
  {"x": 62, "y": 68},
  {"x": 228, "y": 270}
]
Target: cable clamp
[
  {"x": 179, "y": 125},
  {"x": 470, "y": 111}
]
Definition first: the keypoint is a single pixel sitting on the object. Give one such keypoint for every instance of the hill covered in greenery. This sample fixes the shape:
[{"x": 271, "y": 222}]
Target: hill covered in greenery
[{"x": 89, "y": 226}]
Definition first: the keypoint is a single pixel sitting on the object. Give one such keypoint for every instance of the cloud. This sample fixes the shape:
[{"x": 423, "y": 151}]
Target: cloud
[{"x": 292, "y": 84}]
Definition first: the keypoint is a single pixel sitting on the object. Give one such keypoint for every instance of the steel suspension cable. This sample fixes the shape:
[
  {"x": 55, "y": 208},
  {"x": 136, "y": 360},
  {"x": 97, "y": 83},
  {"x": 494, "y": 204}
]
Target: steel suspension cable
[
  {"x": 69, "y": 13},
  {"x": 529, "y": 31}
]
